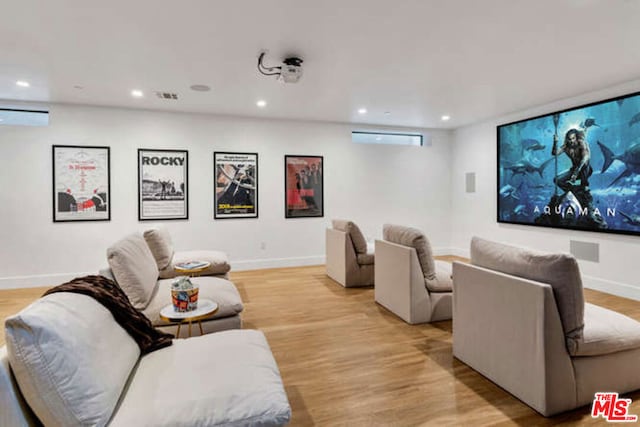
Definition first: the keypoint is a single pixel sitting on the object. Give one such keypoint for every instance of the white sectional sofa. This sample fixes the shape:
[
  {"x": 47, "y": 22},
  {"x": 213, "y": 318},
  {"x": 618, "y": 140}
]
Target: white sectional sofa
[
  {"x": 135, "y": 268},
  {"x": 69, "y": 363}
]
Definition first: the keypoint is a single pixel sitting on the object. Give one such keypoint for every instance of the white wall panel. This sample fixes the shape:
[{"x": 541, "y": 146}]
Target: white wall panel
[{"x": 369, "y": 184}]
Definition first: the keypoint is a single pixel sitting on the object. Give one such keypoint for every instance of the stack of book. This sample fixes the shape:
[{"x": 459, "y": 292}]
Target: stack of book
[{"x": 191, "y": 265}]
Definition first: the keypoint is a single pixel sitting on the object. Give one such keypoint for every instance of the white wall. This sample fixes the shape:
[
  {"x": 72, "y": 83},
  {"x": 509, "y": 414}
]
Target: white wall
[
  {"x": 475, "y": 213},
  {"x": 367, "y": 183}
]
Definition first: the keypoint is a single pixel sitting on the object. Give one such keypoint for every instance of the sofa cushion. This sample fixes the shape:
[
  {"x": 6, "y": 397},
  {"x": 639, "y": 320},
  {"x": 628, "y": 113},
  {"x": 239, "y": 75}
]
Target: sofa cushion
[
  {"x": 559, "y": 270},
  {"x": 443, "y": 281},
  {"x": 414, "y": 238},
  {"x": 218, "y": 290},
  {"x": 134, "y": 268},
  {"x": 160, "y": 245},
  {"x": 243, "y": 385},
  {"x": 359, "y": 242},
  {"x": 15, "y": 410},
  {"x": 70, "y": 358},
  {"x": 607, "y": 331},
  {"x": 219, "y": 263}
]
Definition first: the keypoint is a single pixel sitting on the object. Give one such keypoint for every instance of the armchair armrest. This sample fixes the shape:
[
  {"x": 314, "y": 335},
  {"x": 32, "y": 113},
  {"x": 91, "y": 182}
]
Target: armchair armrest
[
  {"x": 336, "y": 262},
  {"x": 399, "y": 283},
  {"x": 508, "y": 329}
]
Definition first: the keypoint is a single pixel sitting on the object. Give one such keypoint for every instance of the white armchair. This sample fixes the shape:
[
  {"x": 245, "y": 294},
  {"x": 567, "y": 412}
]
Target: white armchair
[
  {"x": 519, "y": 319},
  {"x": 408, "y": 281},
  {"x": 348, "y": 261}
]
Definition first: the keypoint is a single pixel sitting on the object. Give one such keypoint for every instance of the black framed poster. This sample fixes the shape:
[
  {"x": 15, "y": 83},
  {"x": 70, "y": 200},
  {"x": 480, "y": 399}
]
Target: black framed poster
[
  {"x": 163, "y": 184},
  {"x": 81, "y": 183},
  {"x": 236, "y": 185},
  {"x": 303, "y": 186}
]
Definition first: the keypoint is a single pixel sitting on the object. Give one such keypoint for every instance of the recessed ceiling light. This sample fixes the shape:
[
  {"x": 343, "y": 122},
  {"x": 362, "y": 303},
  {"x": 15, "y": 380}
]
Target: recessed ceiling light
[
  {"x": 362, "y": 111},
  {"x": 445, "y": 118},
  {"x": 262, "y": 103},
  {"x": 78, "y": 87},
  {"x": 387, "y": 113},
  {"x": 378, "y": 138},
  {"x": 22, "y": 83},
  {"x": 200, "y": 88},
  {"x": 136, "y": 93}
]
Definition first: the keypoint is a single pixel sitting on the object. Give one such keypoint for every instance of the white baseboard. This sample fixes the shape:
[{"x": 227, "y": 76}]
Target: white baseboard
[
  {"x": 464, "y": 253},
  {"x": 259, "y": 264},
  {"x": 610, "y": 287},
  {"x": 40, "y": 280},
  {"x": 51, "y": 280},
  {"x": 441, "y": 251},
  {"x": 35, "y": 281}
]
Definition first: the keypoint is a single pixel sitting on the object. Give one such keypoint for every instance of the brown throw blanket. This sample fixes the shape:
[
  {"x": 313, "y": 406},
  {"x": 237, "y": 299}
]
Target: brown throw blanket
[{"x": 110, "y": 295}]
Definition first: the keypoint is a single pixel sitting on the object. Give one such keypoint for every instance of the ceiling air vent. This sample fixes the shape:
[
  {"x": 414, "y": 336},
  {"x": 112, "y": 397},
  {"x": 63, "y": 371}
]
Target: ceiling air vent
[{"x": 167, "y": 95}]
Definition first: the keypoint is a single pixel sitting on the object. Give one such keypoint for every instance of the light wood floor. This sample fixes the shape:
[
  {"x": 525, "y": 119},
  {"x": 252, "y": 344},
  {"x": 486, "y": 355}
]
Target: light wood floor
[{"x": 346, "y": 361}]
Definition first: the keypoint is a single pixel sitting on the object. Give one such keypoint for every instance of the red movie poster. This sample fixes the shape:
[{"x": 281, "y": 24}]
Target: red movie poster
[{"x": 304, "y": 186}]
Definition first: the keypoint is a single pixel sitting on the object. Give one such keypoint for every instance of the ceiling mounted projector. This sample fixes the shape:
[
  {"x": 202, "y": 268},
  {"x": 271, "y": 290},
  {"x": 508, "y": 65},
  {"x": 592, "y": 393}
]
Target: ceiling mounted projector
[{"x": 289, "y": 72}]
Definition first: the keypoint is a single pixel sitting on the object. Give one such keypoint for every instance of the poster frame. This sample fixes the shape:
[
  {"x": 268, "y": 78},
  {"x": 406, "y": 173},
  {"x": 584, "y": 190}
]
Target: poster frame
[
  {"x": 216, "y": 214},
  {"x": 185, "y": 167},
  {"x": 288, "y": 212},
  {"x": 55, "y": 167}
]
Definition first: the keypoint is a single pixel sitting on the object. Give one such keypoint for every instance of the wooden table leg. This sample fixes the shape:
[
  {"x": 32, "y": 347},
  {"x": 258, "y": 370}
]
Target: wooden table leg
[
  {"x": 178, "y": 332},
  {"x": 200, "y": 324},
  {"x": 189, "y": 328}
]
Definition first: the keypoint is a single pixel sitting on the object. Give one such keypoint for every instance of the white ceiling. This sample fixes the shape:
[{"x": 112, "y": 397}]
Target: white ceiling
[{"x": 418, "y": 59}]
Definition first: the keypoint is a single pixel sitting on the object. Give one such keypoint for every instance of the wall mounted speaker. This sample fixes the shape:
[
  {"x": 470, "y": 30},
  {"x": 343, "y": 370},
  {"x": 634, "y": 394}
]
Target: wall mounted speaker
[
  {"x": 585, "y": 250},
  {"x": 470, "y": 182}
]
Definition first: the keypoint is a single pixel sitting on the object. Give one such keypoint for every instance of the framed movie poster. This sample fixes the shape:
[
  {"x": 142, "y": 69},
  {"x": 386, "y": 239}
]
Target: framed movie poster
[
  {"x": 162, "y": 184},
  {"x": 303, "y": 186},
  {"x": 81, "y": 189},
  {"x": 236, "y": 185}
]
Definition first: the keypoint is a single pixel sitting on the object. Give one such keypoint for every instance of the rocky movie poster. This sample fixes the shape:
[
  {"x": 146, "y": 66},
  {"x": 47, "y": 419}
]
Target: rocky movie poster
[
  {"x": 577, "y": 169},
  {"x": 304, "y": 186},
  {"x": 81, "y": 183},
  {"x": 163, "y": 184},
  {"x": 236, "y": 185}
]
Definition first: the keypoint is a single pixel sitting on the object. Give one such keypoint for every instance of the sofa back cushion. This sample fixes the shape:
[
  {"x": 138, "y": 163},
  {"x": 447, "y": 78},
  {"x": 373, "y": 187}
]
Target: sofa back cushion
[
  {"x": 559, "y": 270},
  {"x": 134, "y": 268},
  {"x": 159, "y": 242},
  {"x": 70, "y": 358},
  {"x": 414, "y": 238},
  {"x": 359, "y": 242}
]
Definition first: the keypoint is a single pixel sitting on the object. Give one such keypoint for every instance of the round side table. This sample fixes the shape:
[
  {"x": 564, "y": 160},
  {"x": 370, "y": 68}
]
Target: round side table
[{"x": 206, "y": 309}]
